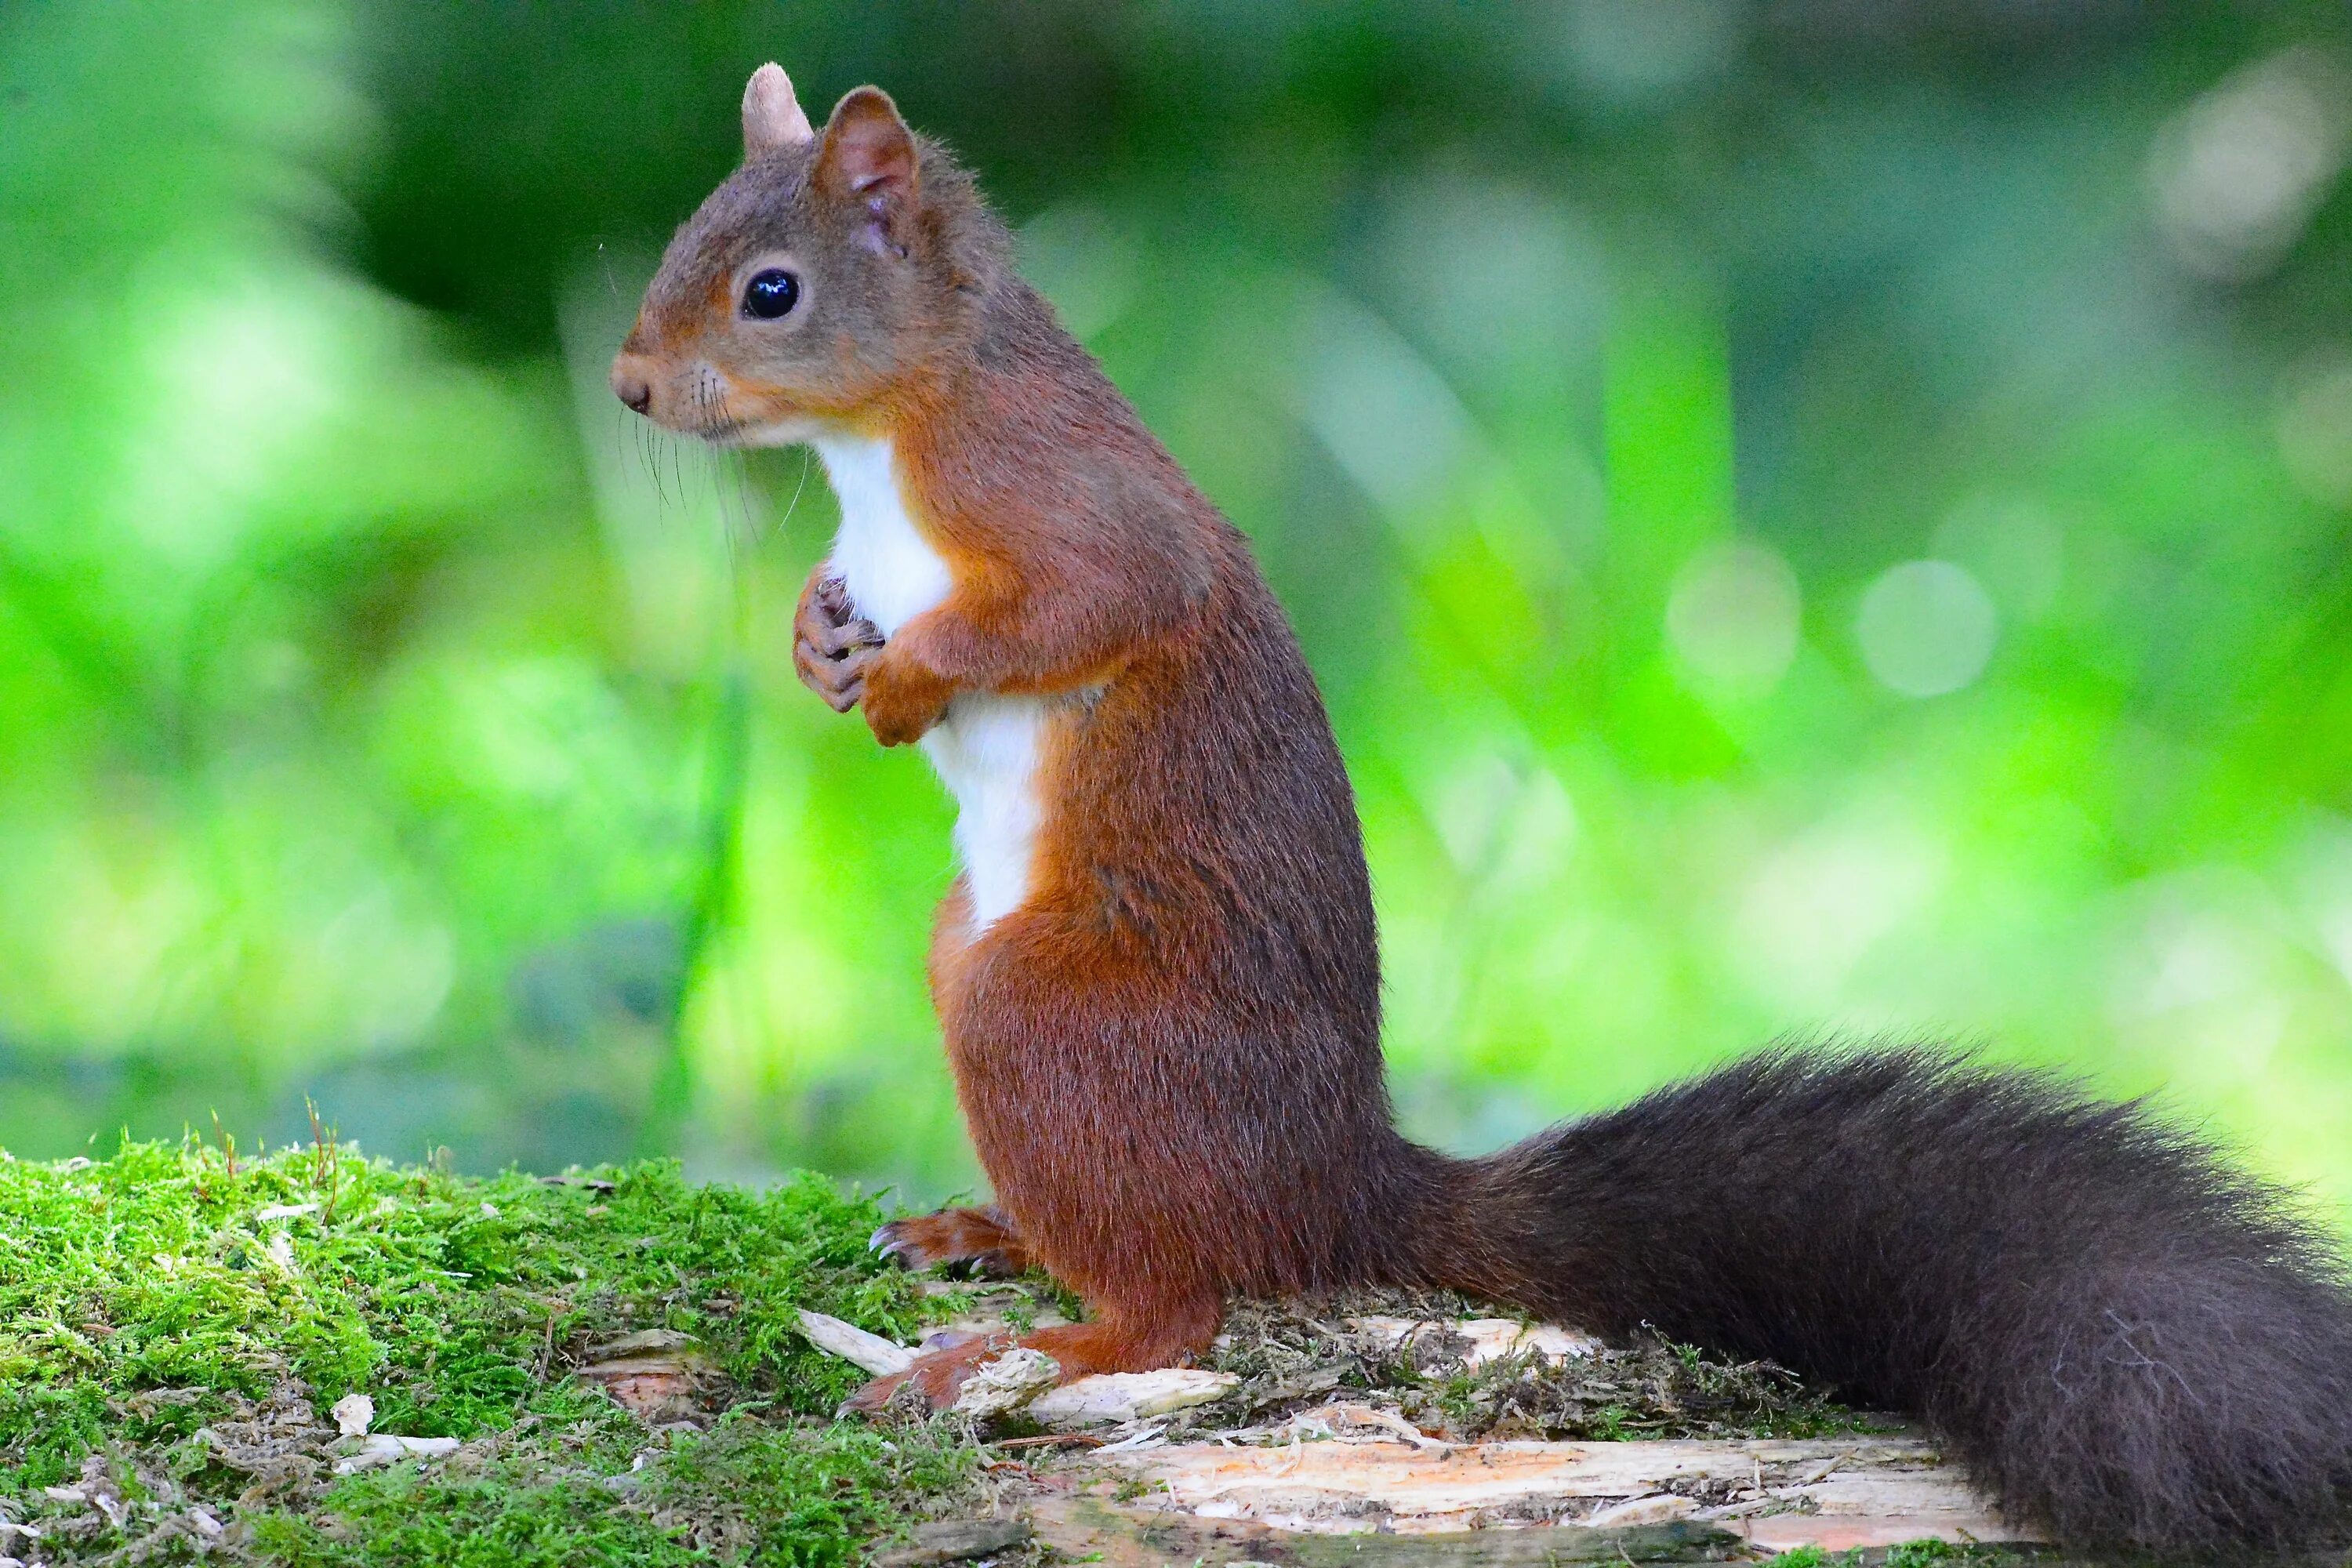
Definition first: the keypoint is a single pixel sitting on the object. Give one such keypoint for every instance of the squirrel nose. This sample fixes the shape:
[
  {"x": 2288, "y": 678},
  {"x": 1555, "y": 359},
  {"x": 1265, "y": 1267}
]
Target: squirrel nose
[{"x": 631, "y": 385}]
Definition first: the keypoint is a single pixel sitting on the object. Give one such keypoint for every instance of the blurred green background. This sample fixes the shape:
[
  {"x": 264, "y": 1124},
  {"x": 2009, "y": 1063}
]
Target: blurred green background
[{"x": 1818, "y": 517}]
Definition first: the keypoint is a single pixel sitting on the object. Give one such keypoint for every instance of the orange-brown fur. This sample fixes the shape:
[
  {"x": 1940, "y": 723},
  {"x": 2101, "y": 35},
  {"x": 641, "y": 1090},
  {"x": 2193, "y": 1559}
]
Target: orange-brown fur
[{"x": 1198, "y": 911}]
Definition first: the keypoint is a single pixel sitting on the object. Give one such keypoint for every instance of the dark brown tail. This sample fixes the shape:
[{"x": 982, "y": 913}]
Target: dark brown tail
[{"x": 2126, "y": 1338}]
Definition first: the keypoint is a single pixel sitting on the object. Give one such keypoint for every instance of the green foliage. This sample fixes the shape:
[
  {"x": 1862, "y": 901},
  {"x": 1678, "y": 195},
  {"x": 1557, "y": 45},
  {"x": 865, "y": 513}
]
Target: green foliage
[
  {"x": 1908, "y": 1554},
  {"x": 1794, "y": 533},
  {"x": 160, "y": 1291}
]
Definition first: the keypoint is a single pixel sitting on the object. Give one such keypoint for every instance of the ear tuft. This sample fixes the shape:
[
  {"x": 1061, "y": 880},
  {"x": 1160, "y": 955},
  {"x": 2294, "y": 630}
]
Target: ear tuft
[
  {"x": 773, "y": 116},
  {"x": 868, "y": 151}
]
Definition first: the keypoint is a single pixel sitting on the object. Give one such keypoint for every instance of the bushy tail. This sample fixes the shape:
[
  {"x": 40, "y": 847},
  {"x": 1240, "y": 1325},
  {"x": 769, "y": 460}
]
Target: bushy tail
[{"x": 2127, "y": 1340}]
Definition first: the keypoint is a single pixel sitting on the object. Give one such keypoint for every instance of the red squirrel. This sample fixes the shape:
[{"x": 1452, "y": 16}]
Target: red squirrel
[{"x": 1158, "y": 977}]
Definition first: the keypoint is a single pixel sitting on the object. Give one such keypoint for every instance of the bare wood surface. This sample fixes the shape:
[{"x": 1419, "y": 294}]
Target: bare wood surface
[
  {"x": 1346, "y": 1480},
  {"x": 1140, "y": 1536},
  {"x": 1837, "y": 1493}
]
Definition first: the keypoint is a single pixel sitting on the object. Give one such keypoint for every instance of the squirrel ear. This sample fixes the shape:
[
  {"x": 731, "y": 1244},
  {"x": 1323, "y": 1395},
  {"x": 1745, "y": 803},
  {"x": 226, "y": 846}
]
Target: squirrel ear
[
  {"x": 869, "y": 153},
  {"x": 772, "y": 118}
]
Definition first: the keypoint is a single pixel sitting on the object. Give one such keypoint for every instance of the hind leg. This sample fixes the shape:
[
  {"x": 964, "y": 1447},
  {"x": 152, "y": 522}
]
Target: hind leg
[
  {"x": 983, "y": 1238},
  {"x": 1125, "y": 1115},
  {"x": 1126, "y": 1337}
]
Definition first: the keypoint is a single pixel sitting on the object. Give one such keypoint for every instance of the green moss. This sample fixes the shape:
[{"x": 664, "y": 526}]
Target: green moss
[
  {"x": 489, "y": 1520},
  {"x": 748, "y": 1491},
  {"x": 1915, "y": 1554},
  {"x": 175, "y": 1326}
]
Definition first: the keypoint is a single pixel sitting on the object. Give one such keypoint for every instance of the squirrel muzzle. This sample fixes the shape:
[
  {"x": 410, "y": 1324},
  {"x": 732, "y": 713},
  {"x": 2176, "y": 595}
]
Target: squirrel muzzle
[{"x": 633, "y": 382}]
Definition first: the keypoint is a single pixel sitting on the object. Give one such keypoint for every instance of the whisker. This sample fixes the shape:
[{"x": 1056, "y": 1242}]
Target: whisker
[
  {"x": 654, "y": 438},
  {"x": 677, "y": 474},
  {"x": 724, "y": 465},
  {"x": 793, "y": 505},
  {"x": 747, "y": 507},
  {"x": 726, "y": 532}
]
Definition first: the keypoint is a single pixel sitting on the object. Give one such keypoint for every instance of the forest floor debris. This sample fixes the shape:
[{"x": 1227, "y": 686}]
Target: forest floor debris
[{"x": 315, "y": 1359}]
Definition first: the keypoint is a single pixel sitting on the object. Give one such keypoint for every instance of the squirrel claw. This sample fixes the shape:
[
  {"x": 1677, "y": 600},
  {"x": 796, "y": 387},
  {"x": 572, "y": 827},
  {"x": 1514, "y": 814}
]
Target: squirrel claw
[
  {"x": 976, "y": 1243},
  {"x": 890, "y": 1246}
]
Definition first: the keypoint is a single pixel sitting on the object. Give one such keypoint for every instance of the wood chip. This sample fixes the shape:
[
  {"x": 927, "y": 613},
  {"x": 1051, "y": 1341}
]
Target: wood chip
[
  {"x": 638, "y": 1343},
  {"x": 353, "y": 1413},
  {"x": 1008, "y": 1383},
  {"x": 955, "y": 1541},
  {"x": 855, "y": 1345},
  {"x": 1490, "y": 1339},
  {"x": 385, "y": 1448},
  {"x": 657, "y": 1374},
  {"x": 1053, "y": 1440},
  {"x": 1655, "y": 1509},
  {"x": 1131, "y": 1395}
]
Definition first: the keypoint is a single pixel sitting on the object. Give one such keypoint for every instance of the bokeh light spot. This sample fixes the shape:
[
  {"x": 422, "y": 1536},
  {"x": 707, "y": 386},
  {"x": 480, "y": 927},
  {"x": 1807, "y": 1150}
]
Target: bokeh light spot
[
  {"x": 1927, "y": 627},
  {"x": 1732, "y": 618},
  {"x": 2239, "y": 173},
  {"x": 2315, "y": 431}
]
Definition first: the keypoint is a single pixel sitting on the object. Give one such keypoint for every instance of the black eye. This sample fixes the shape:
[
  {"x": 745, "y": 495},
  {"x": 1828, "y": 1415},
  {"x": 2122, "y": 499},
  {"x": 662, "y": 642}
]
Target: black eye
[{"x": 770, "y": 294}]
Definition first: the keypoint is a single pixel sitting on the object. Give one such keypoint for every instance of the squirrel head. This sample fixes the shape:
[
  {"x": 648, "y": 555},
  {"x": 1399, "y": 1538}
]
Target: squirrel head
[{"x": 823, "y": 286}]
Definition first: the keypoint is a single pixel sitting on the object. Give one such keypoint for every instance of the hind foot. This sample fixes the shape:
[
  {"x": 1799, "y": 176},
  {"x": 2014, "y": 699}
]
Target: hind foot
[
  {"x": 1169, "y": 1338},
  {"x": 937, "y": 1375},
  {"x": 983, "y": 1239}
]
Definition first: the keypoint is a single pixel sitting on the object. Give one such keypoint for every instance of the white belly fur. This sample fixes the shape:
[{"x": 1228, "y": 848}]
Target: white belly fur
[{"x": 985, "y": 750}]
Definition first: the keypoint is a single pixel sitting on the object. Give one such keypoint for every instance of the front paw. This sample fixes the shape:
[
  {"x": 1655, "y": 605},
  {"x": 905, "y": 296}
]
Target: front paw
[
  {"x": 833, "y": 646},
  {"x": 902, "y": 699},
  {"x": 839, "y": 679},
  {"x": 980, "y": 1239}
]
